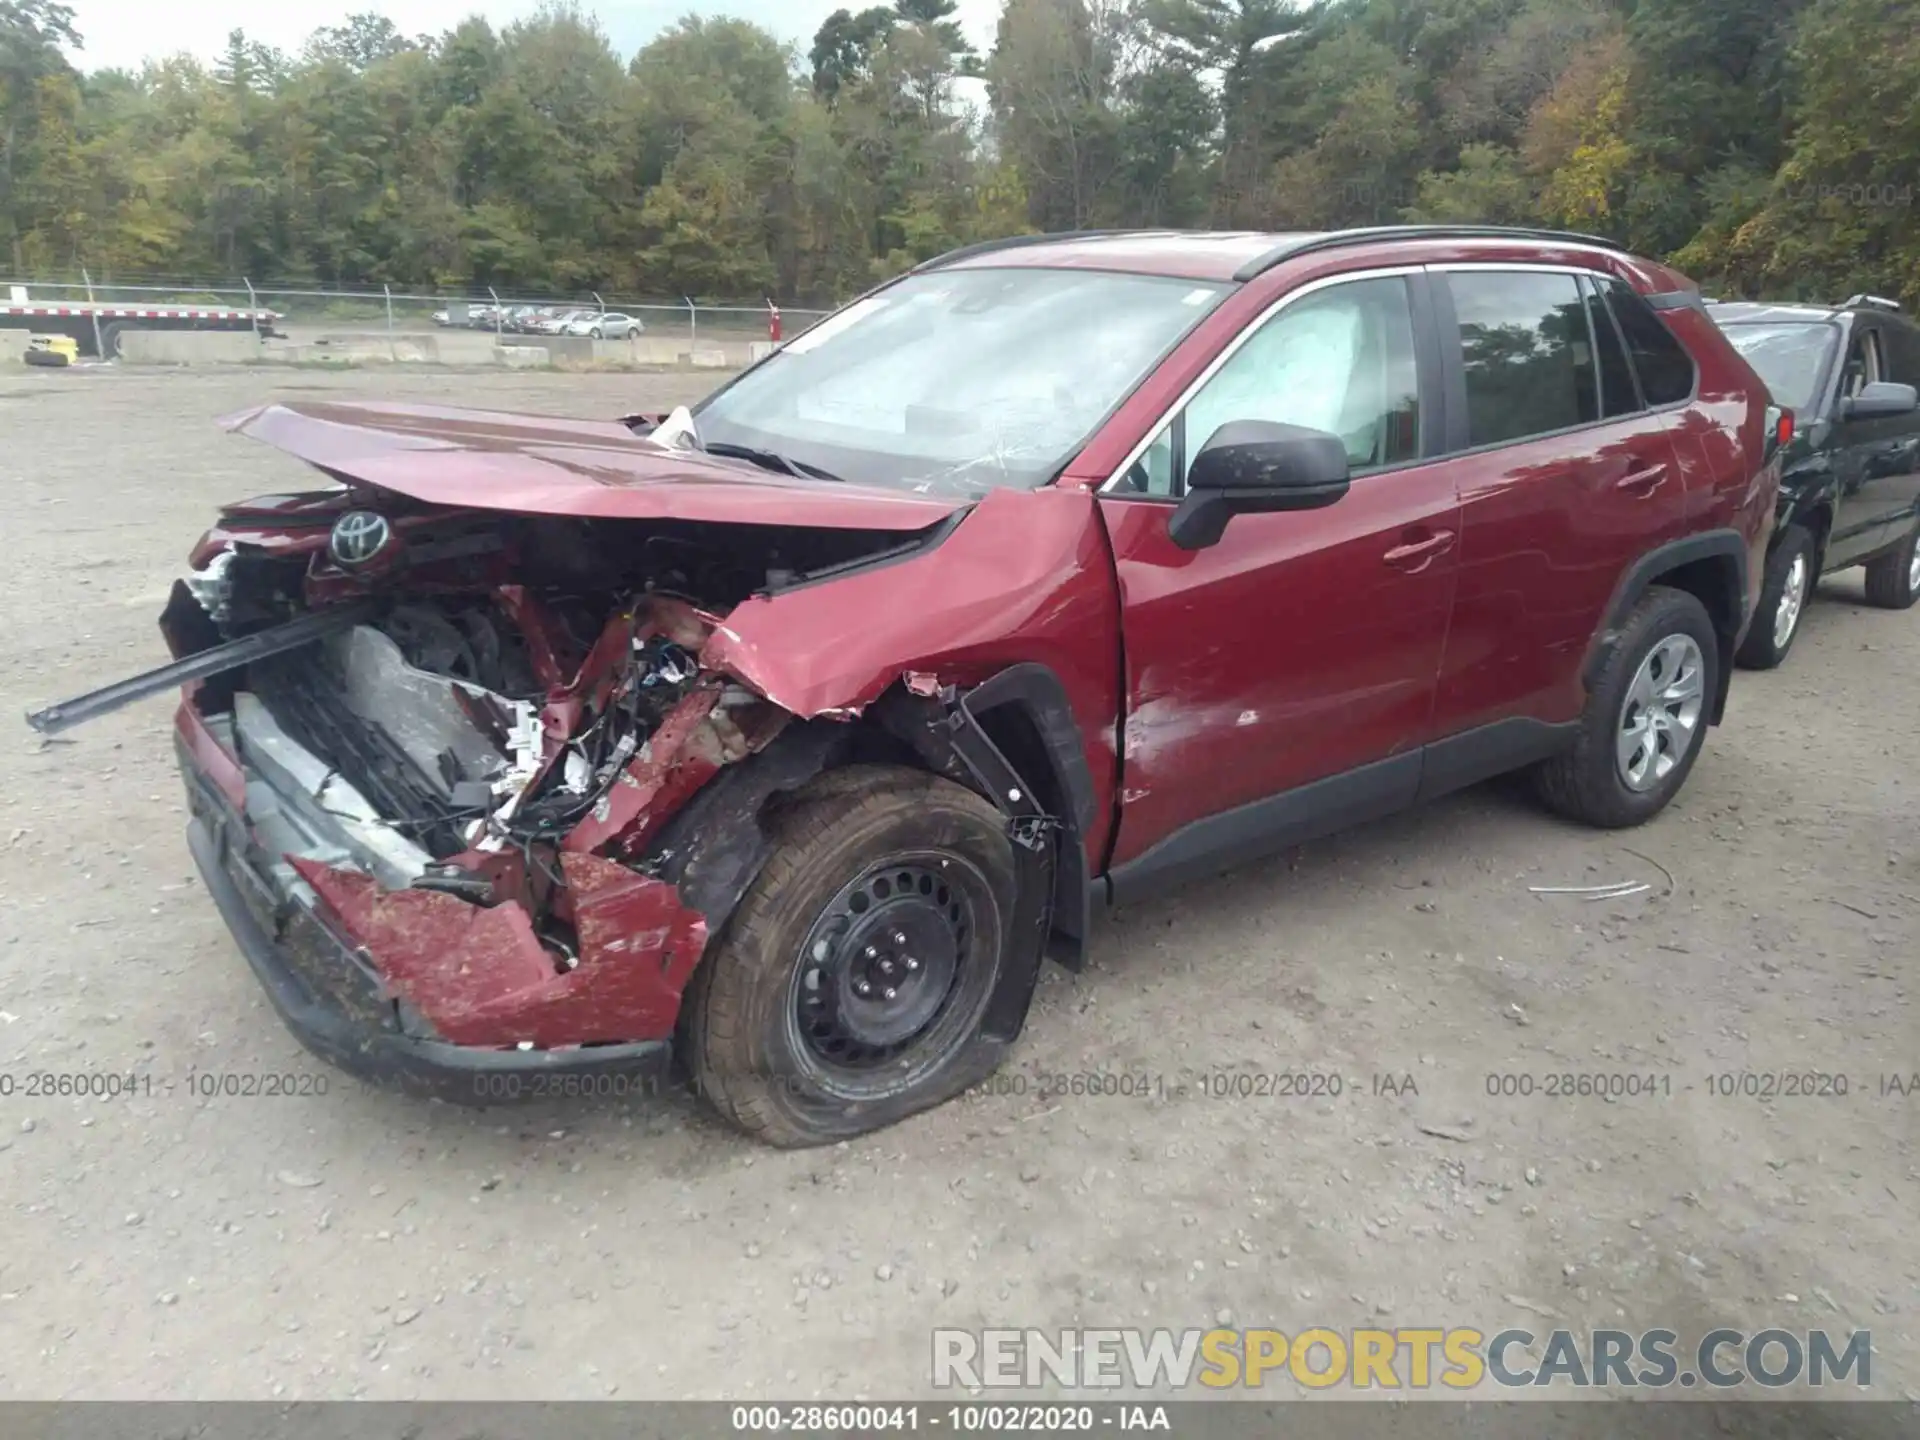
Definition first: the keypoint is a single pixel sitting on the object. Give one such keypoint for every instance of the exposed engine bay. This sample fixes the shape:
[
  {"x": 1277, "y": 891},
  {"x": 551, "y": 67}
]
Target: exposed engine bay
[
  {"x": 432, "y": 725},
  {"x": 496, "y": 747},
  {"x": 514, "y": 690}
]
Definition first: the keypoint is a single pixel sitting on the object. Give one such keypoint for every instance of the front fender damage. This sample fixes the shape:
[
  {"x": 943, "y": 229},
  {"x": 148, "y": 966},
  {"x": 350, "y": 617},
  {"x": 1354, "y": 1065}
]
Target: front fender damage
[
  {"x": 584, "y": 924},
  {"x": 463, "y": 950}
]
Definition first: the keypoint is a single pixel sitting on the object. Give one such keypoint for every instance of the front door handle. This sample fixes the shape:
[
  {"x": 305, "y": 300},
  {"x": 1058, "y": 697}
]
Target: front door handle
[
  {"x": 1643, "y": 482},
  {"x": 1416, "y": 555}
]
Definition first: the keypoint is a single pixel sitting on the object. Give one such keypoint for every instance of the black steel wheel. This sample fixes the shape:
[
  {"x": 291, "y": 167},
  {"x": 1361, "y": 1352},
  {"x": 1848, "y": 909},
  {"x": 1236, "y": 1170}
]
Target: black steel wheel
[
  {"x": 848, "y": 989},
  {"x": 890, "y": 967}
]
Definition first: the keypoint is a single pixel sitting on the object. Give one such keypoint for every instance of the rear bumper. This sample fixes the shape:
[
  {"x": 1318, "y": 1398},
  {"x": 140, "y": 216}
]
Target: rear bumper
[{"x": 337, "y": 1006}]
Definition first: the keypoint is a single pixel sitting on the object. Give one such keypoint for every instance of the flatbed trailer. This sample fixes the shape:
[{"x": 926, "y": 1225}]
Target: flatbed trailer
[{"x": 96, "y": 327}]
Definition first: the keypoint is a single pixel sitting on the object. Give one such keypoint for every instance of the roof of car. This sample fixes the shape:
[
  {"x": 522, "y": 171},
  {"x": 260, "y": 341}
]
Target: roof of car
[{"x": 1221, "y": 255}]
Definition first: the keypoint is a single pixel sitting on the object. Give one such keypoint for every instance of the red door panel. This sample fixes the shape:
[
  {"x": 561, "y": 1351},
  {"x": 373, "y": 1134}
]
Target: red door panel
[
  {"x": 1300, "y": 646},
  {"x": 1548, "y": 528}
]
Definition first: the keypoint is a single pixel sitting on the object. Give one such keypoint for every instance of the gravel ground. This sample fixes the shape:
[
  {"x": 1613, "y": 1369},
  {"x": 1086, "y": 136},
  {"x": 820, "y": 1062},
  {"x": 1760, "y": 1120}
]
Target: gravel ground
[{"x": 361, "y": 1244}]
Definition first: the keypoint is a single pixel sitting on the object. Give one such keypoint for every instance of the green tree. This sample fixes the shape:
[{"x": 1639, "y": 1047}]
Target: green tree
[
  {"x": 1840, "y": 215},
  {"x": 843, "y": 47},
  {"x": 33, "y": 34},
  {"x": 1053, "y": 79}
]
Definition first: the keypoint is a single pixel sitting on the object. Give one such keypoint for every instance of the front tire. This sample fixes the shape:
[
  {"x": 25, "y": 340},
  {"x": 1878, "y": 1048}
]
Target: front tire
[
  {"x": 1786, "y": 588},
  {"x": 1645, "y": 719},
  {"x": 1893, "y": 581},
  {"x": 848, "y": 989}
]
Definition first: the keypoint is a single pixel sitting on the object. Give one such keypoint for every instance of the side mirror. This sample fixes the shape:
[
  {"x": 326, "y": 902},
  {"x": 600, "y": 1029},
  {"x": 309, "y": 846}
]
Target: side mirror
[
  {"x": 1256, "y": 467},
  {"x": 1882, "y": 399}
]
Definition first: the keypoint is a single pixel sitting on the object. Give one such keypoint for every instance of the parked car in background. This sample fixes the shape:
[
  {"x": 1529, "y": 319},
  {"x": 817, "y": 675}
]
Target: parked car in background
[
  {"x": 557, "y": 322},
  {"x": 606, "y": 325},
  {"x": 524, "y": 319},
  {"x": 1850, "y": 487},
  {"x": 795, "y": 730}
]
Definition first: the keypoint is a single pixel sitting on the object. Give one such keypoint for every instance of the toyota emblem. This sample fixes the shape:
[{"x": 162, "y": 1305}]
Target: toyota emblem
[{"x": 359, "y": 537}]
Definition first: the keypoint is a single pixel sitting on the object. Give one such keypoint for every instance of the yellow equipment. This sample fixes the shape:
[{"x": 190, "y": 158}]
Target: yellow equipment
[{"x": 52, "y": 350}]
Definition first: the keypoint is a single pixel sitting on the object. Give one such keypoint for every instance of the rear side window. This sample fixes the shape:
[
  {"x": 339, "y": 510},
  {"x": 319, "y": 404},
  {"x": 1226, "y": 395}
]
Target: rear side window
[
  {"x": 1664, "y": 366},
  {"x": 1618, "y": 393},
  {"x": 1528, "y": 354}
]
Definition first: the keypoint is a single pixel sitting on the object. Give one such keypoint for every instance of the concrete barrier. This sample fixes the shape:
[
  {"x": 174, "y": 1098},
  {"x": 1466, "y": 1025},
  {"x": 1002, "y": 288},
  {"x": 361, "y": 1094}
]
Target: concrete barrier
[
  {"x": 13, "y": 344},
  {"x": 522, "y": 357},
  {"x": 189, "y": 347},
  {"x": 662, "y": 350},
  {"x": 712, "y": 357},
  {"x": 396, "y": 349},
  {"x": 617, "y": 352},
  {"x": 759, "y": 350}
]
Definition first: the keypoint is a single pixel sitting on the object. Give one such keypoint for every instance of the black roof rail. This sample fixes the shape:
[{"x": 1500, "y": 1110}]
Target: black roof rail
[
  {"x": 1018, "y": 242},
  {"x": 1868, "y": 302},
  {"x": 1334, "y": 240}
]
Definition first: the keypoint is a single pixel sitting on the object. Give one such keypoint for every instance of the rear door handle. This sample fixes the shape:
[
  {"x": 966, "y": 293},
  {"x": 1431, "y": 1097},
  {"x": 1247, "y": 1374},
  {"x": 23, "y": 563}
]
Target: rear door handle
[
  {"x": 1418, "y": 554},
  {"x": 1643, "y": 482}
]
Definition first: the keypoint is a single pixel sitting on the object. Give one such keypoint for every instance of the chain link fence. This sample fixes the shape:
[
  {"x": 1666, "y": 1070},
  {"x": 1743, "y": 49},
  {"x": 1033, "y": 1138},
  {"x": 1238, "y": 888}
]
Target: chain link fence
[{"x": 684, "y": 327}]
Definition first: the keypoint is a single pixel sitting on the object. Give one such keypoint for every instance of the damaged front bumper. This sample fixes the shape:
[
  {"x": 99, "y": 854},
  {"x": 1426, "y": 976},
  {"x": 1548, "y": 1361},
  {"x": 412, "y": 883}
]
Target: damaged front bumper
[{"x": 331, "y": 997}]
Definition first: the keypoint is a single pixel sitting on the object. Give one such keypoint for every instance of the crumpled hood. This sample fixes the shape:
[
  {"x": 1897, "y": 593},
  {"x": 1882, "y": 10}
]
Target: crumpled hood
[{"x": 541, "y": 465}]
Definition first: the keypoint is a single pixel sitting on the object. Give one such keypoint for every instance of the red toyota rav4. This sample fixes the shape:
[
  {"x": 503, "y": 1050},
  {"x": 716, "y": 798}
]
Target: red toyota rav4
[{"x": 794, "y": 731}]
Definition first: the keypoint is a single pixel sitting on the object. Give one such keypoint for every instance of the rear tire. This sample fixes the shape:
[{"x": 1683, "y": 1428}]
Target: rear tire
[
  {"x": 1792, "y": 571},
  {"x": 1893, "y": 581},
  {"x": 848, "y": 989},
  {"x": 1646, "y": 717},
  {"x": 110, "y": 341}
]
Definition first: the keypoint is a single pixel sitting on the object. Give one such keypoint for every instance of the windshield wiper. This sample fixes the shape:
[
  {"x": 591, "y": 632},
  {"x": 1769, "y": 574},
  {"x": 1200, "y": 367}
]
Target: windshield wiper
[{"x": 769, "y": 460}]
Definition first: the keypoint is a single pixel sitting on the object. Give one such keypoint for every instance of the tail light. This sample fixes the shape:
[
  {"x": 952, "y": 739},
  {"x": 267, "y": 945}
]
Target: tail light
[{"x": 1779, "y": 429}]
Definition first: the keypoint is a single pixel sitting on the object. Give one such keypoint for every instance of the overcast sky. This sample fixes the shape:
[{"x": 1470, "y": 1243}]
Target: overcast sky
[{"x": 122, "y": 33}]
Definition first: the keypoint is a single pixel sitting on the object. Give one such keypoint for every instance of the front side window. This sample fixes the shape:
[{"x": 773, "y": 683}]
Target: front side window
[
  {"x": 962, "y": 379},
  {"x": 1528, "y": 354},
  {"x": 1790, "y": 358},
  {"x": 1863, "y": 364},
  {"x": 1340, "y": 360}
]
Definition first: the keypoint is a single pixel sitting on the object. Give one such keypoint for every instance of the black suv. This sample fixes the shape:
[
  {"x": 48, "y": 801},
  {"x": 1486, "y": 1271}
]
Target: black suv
[{"x": 1850, "y": 492}]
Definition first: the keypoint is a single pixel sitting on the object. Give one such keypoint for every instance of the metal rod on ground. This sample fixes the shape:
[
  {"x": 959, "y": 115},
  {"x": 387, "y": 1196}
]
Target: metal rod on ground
[
  {"x": 93, "y": 310},
  {"x": 253, "y": 306},
  {"x": 393, "y": 352},
  {"x": 498, "y": 319},
  {"x": 693, "y": 327}
]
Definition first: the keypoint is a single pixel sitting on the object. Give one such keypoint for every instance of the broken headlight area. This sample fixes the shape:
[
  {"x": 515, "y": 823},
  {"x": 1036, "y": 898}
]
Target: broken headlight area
[{"x": 467, "y": 771}]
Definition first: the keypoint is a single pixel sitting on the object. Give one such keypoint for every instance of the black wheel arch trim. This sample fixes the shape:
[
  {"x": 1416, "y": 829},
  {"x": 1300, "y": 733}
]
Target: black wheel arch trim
[
  {"x": 1801, "y": 504},
  {"x": 1037, "y": 692},
  {"x": 716, "y": 846},
  {"x": 1721, "y": 545}
]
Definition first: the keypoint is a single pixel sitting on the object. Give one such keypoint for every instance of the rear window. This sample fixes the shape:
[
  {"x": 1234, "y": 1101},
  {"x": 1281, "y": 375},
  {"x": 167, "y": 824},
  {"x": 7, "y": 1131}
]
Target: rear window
[
  {"x": 1662, "y": 362},
  {"x": 1791, "y": 358}
]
